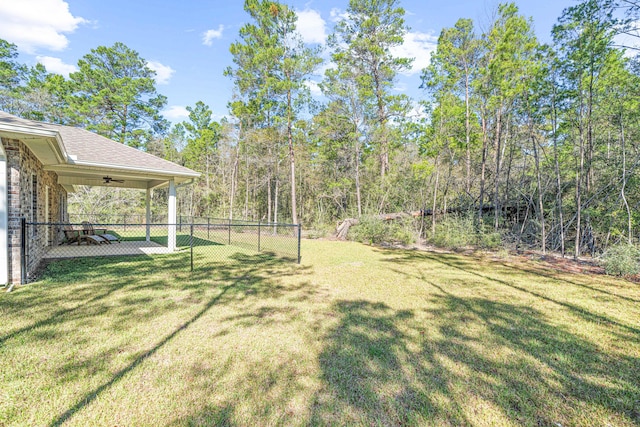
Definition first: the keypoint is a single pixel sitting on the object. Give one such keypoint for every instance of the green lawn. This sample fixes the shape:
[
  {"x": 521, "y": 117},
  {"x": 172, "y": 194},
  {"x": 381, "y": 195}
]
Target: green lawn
[
  {"x": 282, "y": 241},
  {"x": 355, "y": 335}
]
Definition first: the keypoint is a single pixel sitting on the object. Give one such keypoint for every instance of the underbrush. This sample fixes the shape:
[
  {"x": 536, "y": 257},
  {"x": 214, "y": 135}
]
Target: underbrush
[
  {"x": 460, "y": 231},
  {"x": 621, "y": 260},
  {"x": 373, "y": 230}
]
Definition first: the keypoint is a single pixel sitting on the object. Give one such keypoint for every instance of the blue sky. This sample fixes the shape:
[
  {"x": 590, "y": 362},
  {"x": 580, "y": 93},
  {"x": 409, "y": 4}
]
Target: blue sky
[{"x": 187, "y": 42}]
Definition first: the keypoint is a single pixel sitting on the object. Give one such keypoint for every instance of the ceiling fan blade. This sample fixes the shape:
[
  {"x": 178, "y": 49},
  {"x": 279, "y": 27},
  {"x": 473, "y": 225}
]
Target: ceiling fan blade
[{"x": 108, "y": 180}]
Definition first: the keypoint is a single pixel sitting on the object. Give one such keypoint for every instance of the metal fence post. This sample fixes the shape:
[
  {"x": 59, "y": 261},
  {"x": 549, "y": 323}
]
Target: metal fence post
[
  {"x": 299, "y": 237},
  {"x": 180, "y": 222},
  {"x": 259, "y": 235},
  {"x": 23, "y": 250},
  {"x": 124, "y": 220},
  {"x": 208, "y": 227},
  {"x": 191, "y": 245},
  {"x": 229, "y": 231}
]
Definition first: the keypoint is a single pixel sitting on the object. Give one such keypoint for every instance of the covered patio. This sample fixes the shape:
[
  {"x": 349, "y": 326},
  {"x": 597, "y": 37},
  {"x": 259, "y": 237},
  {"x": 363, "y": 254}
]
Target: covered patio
[
  {"x": 138, "y": 247},
  {"x": 97, "y": 161},
  {"x": 40, "y": 163}
]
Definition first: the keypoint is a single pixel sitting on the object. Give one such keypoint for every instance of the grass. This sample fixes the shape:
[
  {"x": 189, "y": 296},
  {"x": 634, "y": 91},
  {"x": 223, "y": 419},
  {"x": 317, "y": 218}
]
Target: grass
[
  {"x": 282, "y": 241},
  {"x": 355, "y": 335}
]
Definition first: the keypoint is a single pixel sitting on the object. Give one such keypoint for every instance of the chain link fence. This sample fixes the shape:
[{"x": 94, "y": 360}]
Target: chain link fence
[
  {"x": 190, "y": 246},
  {"x": 137, "y": 218}
]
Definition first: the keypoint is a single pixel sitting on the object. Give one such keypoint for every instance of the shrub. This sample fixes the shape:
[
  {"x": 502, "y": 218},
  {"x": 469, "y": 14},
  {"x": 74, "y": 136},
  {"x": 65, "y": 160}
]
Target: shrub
[
  {"x": 319, "y": 230},
  {"x": 374, "y": 230},
  {"x": 454, "y": 232},
  {"x": 621, "y": 260},
  {"x": 460, "y": 231},
  {"x": 491, "y": 240}
]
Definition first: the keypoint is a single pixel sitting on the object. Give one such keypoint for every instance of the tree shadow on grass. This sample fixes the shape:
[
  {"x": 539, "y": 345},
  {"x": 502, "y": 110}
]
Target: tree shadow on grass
[
  {"x": 107, "y": 275},
  {"x": 505, "y": 353},
  {"x": 625, "y": 331},
  {"x": 128, "y": 293},
  {"x": 221, "y": 416},
  {"x": 242, "y": 276},
  {"x": 372, "y": 377},
  {"x": 557, "y": 277},
  {"x": 390, "y": 367},
  {"x": 92, "y": 395}
]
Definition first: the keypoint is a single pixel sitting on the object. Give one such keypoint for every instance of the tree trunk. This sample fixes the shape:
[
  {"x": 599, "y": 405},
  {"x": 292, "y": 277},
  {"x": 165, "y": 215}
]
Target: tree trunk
[
  {"x": 358, "y": 195},
  {"x": 558, "y": 177},
  {"x": 624, "y": 180},
  {"x": 382, "y": 121},
  {"x": 275, "y": 207},
  {"x": 483, "y": 169},
  {"x": 579, "y": 174},
  {"x": 246, "y": 190},
  {"x": 343, "y": 228},
  {"x": 543, "y": 234},
  {"x": 496, "y": 195},
  {"x": 435, "y": 195},
  {"x": 269, "y": 204},
  {"x": 234, "y": 181},
  {"x": 292, "y": 160},
  {"x": 467, "y": 131}
]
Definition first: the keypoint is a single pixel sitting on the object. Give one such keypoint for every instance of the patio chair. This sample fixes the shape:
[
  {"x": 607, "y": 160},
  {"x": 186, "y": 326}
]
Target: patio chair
[
  {"x": 70, "y": 235},
  {"x": 76, "y": 236},
  {"x": 101, "y": 233}
]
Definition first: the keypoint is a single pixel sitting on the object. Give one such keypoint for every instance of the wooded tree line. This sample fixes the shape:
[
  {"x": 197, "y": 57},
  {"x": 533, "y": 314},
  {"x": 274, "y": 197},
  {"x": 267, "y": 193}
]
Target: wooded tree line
[{"x": 538, "y": 142}]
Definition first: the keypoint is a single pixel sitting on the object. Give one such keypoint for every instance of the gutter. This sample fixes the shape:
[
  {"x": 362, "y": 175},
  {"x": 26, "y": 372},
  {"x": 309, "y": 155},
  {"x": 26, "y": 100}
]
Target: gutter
[{"x": 132, "y": 169}]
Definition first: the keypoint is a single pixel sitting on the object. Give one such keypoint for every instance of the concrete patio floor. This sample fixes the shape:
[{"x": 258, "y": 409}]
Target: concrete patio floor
[{"x": 121, "y": 248}]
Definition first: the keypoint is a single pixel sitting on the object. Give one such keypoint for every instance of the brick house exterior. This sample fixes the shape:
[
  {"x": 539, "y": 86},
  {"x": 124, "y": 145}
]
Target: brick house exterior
[
  {"x": 30, "y": 191},
  {"x": 41, "y": 162}
]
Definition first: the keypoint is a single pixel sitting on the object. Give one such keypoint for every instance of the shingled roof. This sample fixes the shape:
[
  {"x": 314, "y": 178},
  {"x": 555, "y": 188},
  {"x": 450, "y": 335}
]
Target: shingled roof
[{"x": 78, "y": 150}]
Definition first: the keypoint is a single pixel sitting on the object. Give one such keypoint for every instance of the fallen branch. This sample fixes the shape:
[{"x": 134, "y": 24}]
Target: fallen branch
[{"x": 343, "y": 228}]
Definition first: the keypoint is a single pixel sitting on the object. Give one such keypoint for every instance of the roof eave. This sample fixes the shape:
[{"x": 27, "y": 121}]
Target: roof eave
[
  {"x": 181, "y": 174},
  {"x": 65, "y": 159},
  {"x": 50, "y": 135}
]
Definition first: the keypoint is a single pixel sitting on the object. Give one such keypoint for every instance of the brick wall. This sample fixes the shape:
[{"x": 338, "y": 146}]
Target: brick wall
[{"x": 22, "y": 165}]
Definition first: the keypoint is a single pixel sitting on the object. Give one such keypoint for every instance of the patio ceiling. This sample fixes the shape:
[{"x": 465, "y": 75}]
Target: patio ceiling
[{"x": 72, "y": 175}]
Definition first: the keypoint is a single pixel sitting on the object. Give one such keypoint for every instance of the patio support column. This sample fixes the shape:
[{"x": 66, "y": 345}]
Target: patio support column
[
  {"x": 148, "y": 206},
  {"x": 4, "y": 219},
  {"x": 171, "y": 237}
]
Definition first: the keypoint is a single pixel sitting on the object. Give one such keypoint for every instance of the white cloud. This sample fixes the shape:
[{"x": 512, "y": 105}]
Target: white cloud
[
  {"x": 209, "y": 35},
  {"x": 418, "y": 111},
  {"x": 163, "y": 72},
  {"x": 176, "y": 113},
  {"x": 311, "y": 26},
  {"x": 337, "y": 14},
  {"x": 33, "y": 24},
  {"x": 418, "y": 46},
  {"x": 313, "y": 88},
  {"x": 400, "y": 87},
  {"x": 630, "y": 41},
  {"x": 55, "y": 65}
]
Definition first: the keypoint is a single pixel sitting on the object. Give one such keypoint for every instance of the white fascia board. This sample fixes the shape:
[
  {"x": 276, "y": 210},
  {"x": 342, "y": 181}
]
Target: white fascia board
[
  {"x": 162, "y": 172},
  {"x": 62, "y": 149},
  {"x": 50, "y": 135},
  {"x": 28, "y": 130}
]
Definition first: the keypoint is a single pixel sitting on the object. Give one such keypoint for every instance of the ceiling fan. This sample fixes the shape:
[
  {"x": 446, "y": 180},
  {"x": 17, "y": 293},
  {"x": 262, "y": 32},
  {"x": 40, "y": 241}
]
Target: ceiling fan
[{"x": 108, "y": 180}]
